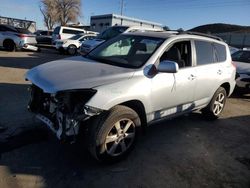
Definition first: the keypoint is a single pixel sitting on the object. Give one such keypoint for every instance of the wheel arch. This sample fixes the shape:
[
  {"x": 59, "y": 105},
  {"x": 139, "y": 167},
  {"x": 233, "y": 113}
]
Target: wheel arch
[
  {"x": 226, "y": 86},
  {"x": 139, "y": 108}
]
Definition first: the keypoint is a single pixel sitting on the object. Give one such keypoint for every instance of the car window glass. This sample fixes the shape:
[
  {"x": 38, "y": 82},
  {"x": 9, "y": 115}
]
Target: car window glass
[
  {"x": 204, "y": 53},
  {"x": 220, "y": 52},
  {"x": 56, "y": 30},
  {"x": 126, "y": 51},
  {"x": 180, "y": 53},
  {"x": 120, "y": 47}
]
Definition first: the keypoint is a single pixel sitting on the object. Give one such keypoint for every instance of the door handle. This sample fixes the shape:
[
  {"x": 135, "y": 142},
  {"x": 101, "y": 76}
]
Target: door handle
[
  {"x": 191, "y": 77},
  {"x": 219, "y": 72}
]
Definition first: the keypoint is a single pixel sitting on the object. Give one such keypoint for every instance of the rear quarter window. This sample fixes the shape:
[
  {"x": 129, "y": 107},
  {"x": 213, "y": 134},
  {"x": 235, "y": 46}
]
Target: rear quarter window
[{"x": 220, "y": 52}]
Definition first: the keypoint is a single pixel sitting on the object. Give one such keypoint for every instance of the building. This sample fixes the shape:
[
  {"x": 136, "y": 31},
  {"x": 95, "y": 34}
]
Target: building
[
  {"x": 101, "y": 22},
  {"x": 27, "y": 24},
  {"x": 238, "y": 40}
]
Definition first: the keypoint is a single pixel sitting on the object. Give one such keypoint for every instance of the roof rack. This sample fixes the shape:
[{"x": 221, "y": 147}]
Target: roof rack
[{"x": 201, "y": 34}]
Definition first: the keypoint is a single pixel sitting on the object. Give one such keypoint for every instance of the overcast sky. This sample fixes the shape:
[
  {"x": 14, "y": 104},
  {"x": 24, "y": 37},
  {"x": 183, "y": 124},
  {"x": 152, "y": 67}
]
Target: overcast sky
[{"x": 173, "y": 13}]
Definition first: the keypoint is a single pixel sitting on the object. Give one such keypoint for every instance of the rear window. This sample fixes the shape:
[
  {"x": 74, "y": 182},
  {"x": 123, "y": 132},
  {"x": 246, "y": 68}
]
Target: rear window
[
  {"x": 7, "y": 28},
  {"x": 24, "y": 31},
  {"x": 69, "y": 31},
  {"x": 56, "y": 30}
]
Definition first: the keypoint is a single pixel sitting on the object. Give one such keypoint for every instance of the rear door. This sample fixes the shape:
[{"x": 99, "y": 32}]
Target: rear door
[{"x": 209, "y": 69}]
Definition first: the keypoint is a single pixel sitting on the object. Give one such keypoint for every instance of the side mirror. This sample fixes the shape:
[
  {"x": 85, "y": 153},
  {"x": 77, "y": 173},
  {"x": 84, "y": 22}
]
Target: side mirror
[{"x": 168, "y": 67}]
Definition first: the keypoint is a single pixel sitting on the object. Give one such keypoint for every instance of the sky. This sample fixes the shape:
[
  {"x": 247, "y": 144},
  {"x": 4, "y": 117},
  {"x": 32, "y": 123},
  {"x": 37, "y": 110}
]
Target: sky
[{"x": 175, "y": 14}]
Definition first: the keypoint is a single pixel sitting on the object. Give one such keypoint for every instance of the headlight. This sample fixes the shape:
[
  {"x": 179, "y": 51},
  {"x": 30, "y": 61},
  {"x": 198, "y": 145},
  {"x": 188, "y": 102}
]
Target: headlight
[{"x": 72, "y": 98}]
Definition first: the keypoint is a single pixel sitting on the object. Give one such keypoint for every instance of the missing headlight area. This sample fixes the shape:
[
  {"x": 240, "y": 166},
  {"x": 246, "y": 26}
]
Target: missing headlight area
[{"x": 62, "y": 112}]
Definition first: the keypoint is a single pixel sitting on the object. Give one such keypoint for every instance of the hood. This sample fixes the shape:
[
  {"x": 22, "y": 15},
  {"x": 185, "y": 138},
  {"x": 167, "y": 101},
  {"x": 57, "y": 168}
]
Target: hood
[
  {"x": 75, "y": 73},
  {"x": 242, "y": 67}
]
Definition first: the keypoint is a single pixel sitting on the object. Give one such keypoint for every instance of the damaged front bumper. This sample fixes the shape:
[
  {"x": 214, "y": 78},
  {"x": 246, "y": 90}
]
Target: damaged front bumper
[{"x": 63, "y": 113}]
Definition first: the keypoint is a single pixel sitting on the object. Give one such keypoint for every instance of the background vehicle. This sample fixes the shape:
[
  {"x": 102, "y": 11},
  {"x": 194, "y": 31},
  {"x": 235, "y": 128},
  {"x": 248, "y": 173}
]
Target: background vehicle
[
  {"x": 43, "y": 37},
  {"x": 72, "y": 44},
  {"x": 12, "y": 38},
  {"x": 130, "y": 81},
  {"x": 241, "y": 59},
  {"x": 109, "y": 33}
]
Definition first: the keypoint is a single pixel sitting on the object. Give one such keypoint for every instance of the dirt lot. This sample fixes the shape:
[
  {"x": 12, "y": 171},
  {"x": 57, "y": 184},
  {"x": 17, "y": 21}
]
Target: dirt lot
[{"x": 185, "y": 152}]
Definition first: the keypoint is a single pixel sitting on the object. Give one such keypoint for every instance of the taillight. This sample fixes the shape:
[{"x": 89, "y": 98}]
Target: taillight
[
  {"x": 233, "y": 63},
  {"x": 22, "y": 35}
]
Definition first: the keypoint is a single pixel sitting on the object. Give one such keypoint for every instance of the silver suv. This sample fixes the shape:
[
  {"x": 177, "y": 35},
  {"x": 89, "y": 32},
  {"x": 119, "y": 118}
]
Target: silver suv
[
  {"x": 128, "y": 82},
  {"x": 12, "y": 38}
]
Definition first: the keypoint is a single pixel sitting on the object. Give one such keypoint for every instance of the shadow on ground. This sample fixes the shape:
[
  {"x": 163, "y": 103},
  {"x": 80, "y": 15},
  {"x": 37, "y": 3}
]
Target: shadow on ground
[
  {"x": 27, "y": 60},
  {"x": 184, "y": 152}
]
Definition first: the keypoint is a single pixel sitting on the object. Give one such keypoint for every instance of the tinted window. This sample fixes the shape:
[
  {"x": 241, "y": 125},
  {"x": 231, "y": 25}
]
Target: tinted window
[
  {"x": 204, "y": 52},
  {"x": 69, "y": 31},
  {"x": 57, "y": 30},
  {"x": 7, "y": 28},
  {"x": 24, "y": 31},
  {"x": 220, "y": 52}
]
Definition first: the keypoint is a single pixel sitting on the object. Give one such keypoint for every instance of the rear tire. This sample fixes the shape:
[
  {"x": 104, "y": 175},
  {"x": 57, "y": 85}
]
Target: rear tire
[
  {"x": 9, "y": 45},
  {"x": 215, "y": 107},
  {"x": 112, "y": 135}
]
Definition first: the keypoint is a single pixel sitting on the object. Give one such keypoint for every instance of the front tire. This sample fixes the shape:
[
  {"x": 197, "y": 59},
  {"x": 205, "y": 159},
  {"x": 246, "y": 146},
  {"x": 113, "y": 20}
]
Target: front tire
[
  {"x": 72, "y": 49},
  {"x": 112, "y": 135},
  {"x": 216, "y": 105}
]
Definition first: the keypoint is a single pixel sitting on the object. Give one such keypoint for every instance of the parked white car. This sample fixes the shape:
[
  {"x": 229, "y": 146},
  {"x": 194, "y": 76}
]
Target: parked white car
[
  {"x": 109, "y": 33},
  {"x": 241, "y": 59},
  {"x": 72, "y": 44},
  {"x": 62, "y": 32}
]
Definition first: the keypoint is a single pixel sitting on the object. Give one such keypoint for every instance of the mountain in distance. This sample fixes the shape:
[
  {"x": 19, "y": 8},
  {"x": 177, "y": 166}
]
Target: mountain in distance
[{"x": 221, "y": 28}]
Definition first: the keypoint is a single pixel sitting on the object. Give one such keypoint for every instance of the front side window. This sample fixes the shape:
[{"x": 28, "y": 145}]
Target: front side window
[
  {"x": 204, "y": 52},
  {"x": 126, "y": 50}
]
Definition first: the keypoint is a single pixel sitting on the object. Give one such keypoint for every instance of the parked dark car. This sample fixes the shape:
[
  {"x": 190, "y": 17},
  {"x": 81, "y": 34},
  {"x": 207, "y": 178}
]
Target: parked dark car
[{"x": 44, "y": 37}]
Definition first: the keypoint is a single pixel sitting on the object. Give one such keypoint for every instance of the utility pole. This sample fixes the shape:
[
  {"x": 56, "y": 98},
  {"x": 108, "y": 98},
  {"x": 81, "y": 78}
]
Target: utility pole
[{"x": 122, "y": 7}]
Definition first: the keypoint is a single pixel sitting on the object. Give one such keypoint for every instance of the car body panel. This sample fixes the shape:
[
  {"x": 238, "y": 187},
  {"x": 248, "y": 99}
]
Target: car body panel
[{"x": 75, "y": 73}]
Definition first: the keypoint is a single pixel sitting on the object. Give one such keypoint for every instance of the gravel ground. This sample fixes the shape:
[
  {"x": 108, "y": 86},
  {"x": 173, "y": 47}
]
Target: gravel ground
[{"x": 184, "y": 152}]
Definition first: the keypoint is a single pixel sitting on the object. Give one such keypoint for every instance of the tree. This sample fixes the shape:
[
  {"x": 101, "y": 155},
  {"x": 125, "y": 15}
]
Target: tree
[
  {"x": 68, "y": 11},
  {"x": 59, "y": 12},
  {"x": 49, "y": 10}
]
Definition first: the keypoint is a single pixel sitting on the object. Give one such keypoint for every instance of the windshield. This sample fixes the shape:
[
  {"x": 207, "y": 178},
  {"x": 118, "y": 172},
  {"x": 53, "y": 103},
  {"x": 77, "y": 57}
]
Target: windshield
[
  {"x": 241, "y": 56},
  {"x": 75, "y": 37},
  {"x": 111, "y": 32},
  {"x": 126, "y": 50}
]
